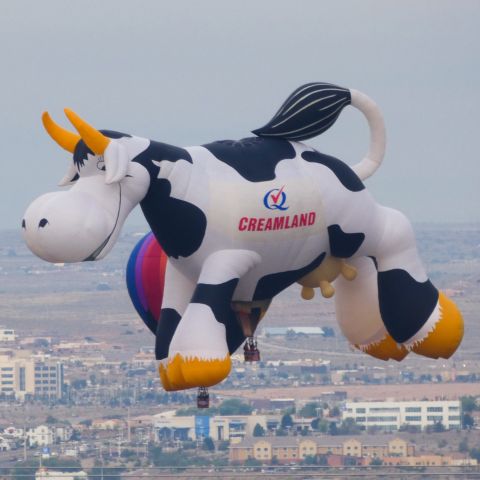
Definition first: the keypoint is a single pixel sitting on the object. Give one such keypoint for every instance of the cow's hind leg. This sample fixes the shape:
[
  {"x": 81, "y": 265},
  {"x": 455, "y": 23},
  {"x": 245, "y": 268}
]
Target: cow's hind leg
[
  {"x": 199, "y": 353},
  {"x": 358, "y": 312},
  {"x": 415, "y": 313}
]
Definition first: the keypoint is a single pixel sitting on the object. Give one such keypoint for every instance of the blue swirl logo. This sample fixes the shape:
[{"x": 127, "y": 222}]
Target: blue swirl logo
[{"x": 275, "y": 199}]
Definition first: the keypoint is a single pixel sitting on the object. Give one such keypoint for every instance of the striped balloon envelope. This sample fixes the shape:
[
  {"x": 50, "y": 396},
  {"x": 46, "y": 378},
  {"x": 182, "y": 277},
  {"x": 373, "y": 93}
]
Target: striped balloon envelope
[{"x": 145, "y": 279}]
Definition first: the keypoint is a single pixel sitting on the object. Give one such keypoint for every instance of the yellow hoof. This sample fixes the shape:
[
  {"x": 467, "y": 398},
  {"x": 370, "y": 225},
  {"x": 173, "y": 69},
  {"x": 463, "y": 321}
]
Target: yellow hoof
[
  {"x": 192, "y": 372},
  {"x": 162, "y": 371},
  {"x": 386, "y": 349},
  {"x": 174, "y": 374},
  {"x": 446, "y": 334}
]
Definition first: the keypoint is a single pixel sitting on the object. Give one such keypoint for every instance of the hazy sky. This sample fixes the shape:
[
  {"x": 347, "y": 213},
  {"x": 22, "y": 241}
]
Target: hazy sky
[{"x": 189, "y": 72}]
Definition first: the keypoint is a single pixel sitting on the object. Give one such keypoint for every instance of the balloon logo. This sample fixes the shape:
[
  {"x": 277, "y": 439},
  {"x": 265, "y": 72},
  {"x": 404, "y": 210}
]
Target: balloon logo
[{"x": 275, "y": 199}]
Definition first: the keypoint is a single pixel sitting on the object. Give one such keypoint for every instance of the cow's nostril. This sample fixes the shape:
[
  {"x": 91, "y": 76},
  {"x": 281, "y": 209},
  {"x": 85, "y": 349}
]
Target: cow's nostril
[
  {"x": 43, "y": 222},
  {"x": 24, "y": 225}
]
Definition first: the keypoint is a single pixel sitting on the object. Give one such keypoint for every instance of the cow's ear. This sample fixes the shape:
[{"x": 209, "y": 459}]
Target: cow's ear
[
  {"x": 70, "y": 177},
  {"x": 116, "y": 162}
]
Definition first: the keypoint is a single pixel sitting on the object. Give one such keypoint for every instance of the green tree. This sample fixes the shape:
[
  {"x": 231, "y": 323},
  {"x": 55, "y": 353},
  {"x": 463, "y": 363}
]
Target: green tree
[
  {"x": 463, "y": 445},
  {"x": 234, "y": 406},
  {"x": 310, "y": 460},
  {"x": 79, "y": 383},
  {"x": 51, "y": 420},
  {"x": 315, "y": 424},
  {"x": 168, "y": 459},
  {"x": 335, "y": 412},
  {"x": 287, "y": 421},
  {"x": 320, "y": 425},
  {"x": 208, "y": 444},
  {"x": 469, "y": 404},
  {"x": 252, "y": 462},
  {"x": 68, "y": 465},
  {"x": 193, "y": 411},
  {"x": 128, "y": 453},
  {"x": 258, "y": 431},
  {"x": 304, "y": 431},
  {"x": 332, "y": 428},
  {"x": 322, "y": 460},
  {"x": 309, "y": 410},
  {"x": 438, "y": 427},
  {"x": 467, "y": 421},
  {"x": 475, "y": 453},
  {"x": 349, "y": 427}
]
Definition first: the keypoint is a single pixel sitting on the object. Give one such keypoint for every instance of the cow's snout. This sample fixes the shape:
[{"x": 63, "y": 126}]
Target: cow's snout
[{"x": 66, "y": 227}]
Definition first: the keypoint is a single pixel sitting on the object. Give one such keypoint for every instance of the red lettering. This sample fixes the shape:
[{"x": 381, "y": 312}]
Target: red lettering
[
  {"x": 257, "y": 224},
  {"x": 278, "y": 223},
  {"x": 242, "y": 224}
]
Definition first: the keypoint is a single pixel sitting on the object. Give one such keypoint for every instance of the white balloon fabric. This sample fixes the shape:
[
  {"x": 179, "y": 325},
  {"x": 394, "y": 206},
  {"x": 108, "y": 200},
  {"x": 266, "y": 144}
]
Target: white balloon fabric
[{"x": 240, "y": 221}]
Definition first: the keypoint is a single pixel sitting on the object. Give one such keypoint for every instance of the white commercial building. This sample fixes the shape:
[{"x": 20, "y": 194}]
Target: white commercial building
[
  {"x": 195, "y": 427},
  {"x": 390, "y": 415},
  {"x": 23, "y": 376},
  {"x": 45, "y": 435},
  {"x": 41, "y": 436}
]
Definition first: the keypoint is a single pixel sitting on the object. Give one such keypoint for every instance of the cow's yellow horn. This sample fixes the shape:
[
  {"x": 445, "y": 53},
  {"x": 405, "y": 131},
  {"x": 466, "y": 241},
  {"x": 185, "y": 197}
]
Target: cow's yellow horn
[
  {"x": 96, "y": 141},
  {"x": 62, "y": 136}
]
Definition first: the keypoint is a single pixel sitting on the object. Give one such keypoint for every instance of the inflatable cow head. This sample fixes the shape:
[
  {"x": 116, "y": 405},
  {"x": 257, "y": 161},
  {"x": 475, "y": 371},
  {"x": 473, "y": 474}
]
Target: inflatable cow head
[{"x": 84, "y": 222}]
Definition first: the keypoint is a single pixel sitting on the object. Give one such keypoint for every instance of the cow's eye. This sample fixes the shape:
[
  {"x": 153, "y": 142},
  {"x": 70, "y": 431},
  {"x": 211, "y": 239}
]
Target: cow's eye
[{"x": 101, "y": 164}]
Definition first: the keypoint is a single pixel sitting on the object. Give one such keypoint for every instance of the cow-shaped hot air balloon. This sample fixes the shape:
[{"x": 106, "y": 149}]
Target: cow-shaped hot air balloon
[{"x": 236, "y": 222}]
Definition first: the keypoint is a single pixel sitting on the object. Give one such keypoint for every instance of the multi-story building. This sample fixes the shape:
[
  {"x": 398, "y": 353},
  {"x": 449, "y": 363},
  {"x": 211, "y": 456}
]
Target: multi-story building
[
  {"x": 26, "y": 376},
  {"x": 296, "y": 449},
  {"x": 45, "y": 435},
  {"x": 390, "y": 415},
  {"x": 41, "y": 436}
]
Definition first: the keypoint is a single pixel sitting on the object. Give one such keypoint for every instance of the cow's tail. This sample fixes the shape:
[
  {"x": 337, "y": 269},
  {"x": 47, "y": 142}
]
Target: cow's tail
[{"x": 313, "y": 108}]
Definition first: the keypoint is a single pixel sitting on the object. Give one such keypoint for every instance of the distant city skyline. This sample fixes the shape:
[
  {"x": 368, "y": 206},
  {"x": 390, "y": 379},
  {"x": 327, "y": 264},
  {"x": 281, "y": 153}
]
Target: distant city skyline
[{"x": 188, "y": 73}]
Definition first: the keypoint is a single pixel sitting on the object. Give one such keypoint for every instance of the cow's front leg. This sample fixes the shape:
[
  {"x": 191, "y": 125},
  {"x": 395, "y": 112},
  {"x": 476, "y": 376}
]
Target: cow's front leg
[
  {"x": 177, "y": 294},
  {"x": 199, "y": 354}
]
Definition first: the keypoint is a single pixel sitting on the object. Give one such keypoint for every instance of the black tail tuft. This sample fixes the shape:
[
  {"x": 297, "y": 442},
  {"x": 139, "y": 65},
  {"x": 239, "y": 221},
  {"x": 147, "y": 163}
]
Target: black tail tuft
[{"x": 308, "y": 111}]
